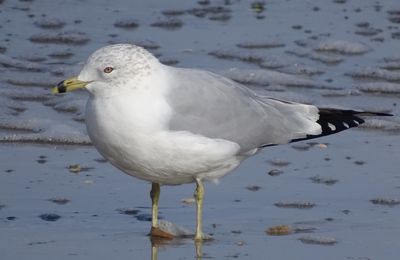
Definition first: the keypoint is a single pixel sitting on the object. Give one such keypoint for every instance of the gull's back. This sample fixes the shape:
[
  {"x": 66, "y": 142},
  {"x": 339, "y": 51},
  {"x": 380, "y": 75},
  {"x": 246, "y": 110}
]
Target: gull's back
[{"x": 213, "y": 106}]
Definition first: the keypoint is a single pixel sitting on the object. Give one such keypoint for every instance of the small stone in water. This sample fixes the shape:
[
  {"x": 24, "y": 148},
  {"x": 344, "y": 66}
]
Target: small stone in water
[
  {"x": 295, "y": 204},
  {"x": 326, "y": 241},
  {"x": 59, "y": 201},
  {"x": 50, "y": 217},
  {"x": 359, "y": 162},
  {"x": 327, "y": 181},
  {"x": 275, "y": 172},
  {"x": 188, "y": 201},
  {"x": 169, "y": 230},
  {"x": 385, "y": 201},
  {"x": 74, "y": 168},
  {"x": 280, "y": 230},
  {"x": 279, "y": 163},
  {"x": 253, "y": 188}
]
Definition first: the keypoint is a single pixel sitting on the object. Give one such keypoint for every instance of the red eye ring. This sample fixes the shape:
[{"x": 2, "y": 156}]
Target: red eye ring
[{"x": 108, "y": 69}]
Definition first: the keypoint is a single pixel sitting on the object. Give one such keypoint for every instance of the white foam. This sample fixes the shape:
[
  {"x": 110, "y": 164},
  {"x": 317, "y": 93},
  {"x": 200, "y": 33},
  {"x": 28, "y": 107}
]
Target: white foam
[
  {"x": 342, "y": 46},
  {"x": 268, "y": 77},
  {"x": 379, "y": 87},
  {"x": 375, "y": 73},
  {"x": 20, "y": 64}
]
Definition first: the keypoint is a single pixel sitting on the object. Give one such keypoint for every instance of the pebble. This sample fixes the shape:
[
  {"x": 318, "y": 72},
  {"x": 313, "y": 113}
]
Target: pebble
[
  {"x": 188, "y": 201},
  {"x": 172, "y": 230},
  {"x": 253, "y": 188},
  {"x": 279, "y": 163},
  {"x": 76, "y": 168},
  {"x": 258, "y": 6},
  {"x": 240, "y": 243},
  {"x": 295, "y": 204},
  {"x": 288, "y": 229},
  {"x": 41, "y": 161},
  {"x": 59, "y": 201},
  {"x": 326, "y": 241},
  {"x": 280, "y": 230},
  {"x": 385, "y": 201},
  {"x": 50, "y": 217},
  {"x": 359, "y": 162},
  {"x": 323, "y": 180},
  {"x": 275, "y": 172}
]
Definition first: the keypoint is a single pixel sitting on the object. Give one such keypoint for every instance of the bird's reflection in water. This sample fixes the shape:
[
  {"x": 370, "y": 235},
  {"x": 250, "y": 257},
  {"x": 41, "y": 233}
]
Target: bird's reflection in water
[{"x": 158, "y": 242}]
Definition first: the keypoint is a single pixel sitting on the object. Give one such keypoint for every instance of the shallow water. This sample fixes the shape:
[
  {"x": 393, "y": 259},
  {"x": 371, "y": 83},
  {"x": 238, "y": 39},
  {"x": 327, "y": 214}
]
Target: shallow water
[{"x": 327, "y": 53}]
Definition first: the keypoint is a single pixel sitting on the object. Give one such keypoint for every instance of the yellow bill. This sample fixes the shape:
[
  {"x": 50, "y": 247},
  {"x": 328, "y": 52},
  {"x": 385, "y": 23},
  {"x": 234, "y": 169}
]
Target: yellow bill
[{"x": 70, "y": 84}]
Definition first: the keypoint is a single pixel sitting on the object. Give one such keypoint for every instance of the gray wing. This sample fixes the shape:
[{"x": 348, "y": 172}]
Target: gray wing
[{"x": 210, "y": 105}]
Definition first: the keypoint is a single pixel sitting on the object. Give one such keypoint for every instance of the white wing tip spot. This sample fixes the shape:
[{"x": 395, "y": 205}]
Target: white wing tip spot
[
  {"x": 346, "y": 125},
  {"x": 356, "y": 122},
  {"x": 332, "y": 126}
]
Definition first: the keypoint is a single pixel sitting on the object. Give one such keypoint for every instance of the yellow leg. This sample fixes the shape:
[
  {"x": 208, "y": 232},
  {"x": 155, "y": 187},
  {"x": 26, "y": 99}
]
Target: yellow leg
[
  {"x": 155, "y": 195},
  {"x": 199, "y": 194},
  {"x": 154, "y": 252}
]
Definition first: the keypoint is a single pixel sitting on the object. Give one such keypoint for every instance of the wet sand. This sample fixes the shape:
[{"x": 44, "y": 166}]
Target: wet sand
[{"x": 336, "y": 197}]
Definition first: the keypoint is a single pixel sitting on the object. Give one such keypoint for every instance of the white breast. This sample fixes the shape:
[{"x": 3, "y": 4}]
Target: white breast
[{"x": 130, "y": 130}]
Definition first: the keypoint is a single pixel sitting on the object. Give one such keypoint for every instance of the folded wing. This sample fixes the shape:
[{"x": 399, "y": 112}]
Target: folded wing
[{"x": 213, "y": 106}]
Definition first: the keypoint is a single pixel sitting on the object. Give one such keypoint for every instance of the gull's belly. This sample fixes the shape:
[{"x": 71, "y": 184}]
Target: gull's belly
[
  {"x": 167, "y": 158},
  {"x": 157, "y": 154}
]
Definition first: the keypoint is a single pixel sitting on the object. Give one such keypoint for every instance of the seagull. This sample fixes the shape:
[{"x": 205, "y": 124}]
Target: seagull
[{"x": 171, "y": 126}]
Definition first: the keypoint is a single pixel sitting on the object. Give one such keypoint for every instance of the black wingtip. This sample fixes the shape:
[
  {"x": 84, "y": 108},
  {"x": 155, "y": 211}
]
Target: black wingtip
[{"x": 333, "y": 121}]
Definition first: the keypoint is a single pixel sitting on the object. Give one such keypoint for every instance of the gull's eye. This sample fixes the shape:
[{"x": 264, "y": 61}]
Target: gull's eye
[{"x": 108, "y": 69}]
